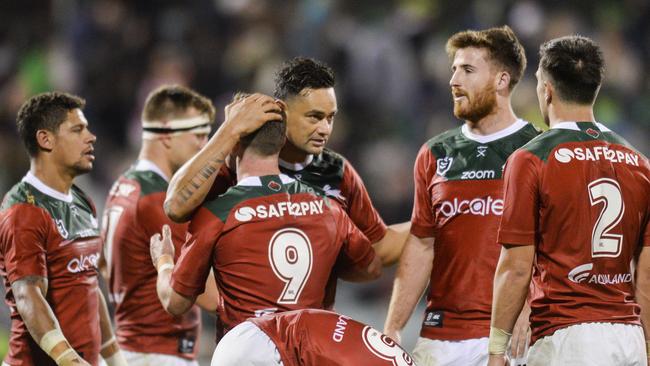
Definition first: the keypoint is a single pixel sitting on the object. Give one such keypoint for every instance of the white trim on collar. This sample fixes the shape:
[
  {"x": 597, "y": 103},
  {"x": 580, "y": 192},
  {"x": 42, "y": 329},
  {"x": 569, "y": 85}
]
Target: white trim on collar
[
  {"x": 483, "y": 139},
  {"x": 255, "y": 181},
  {"x": 145, "y": 165},
  {"x": 571, "y": 125},
  {"x": 38, "y": 184},
  {"x": 296, "y": 166}
]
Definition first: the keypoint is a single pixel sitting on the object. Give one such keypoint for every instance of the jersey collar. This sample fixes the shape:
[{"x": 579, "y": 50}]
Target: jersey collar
[
  {"x": 145, "y": 165},
  {"x": 296, "y": 167},
  {"x": 572, "y": 125},
  {"x": 255, "y": 181},
  {"x": 38, "y": 184},
  {"x": 484, "y": 139}
]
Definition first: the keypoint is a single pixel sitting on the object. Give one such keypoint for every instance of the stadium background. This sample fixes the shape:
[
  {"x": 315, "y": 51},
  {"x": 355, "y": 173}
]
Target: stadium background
[{"x": 389, "y": 58}]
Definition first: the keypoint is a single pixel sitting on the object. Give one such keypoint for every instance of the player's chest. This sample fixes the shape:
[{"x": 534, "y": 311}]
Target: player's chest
[{"x": 73, "y": 244}]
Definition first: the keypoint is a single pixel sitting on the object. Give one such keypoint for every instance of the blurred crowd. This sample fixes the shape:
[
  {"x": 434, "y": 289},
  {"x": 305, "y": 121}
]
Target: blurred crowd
[{"x": 392, "y": 70}]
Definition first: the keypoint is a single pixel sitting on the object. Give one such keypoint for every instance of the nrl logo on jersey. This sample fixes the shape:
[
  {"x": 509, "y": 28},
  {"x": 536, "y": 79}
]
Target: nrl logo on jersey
[
  {"x": 444, "y": 164},
  {"x": 61, "y": 228}
]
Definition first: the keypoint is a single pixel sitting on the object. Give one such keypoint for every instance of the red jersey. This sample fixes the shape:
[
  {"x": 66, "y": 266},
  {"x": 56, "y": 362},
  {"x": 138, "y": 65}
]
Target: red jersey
[
  {"x": 581, "y": 195},
  {"x": 333, "y": 174},
  {"x": 134, "y": 212},
  {"x": 49, "y": 234},
  {"x": 323, "y": 338},
  {"x": 458, "y": 201},
  {"x": 273, "y": 243}
]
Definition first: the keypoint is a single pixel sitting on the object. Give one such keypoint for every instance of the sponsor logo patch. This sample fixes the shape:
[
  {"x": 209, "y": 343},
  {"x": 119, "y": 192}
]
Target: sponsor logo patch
[
  {"x": 596, "y": 153},
  {"x": 479, "y": 206},
  {"x": 434, "y": 319},
  {"x": 83, "y": 263},
  {"x": 280, "y": 209},
  {"x": 478, "y": 174},
  {"x": 583, "y": 274}
]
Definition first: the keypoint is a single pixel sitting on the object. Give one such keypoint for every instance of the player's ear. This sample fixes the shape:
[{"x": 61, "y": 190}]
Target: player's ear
[
  {"x": 502, "y": 81},
  {"x": 548, "y": 92},
  {"x": 166, "y": 140},
  {"x": 45, "y": 139}
]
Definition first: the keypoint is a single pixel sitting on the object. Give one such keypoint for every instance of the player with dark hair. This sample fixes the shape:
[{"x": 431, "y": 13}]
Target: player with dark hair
[
  {"x": 458, "y": 204},
  {"x": 308, "y": 338},
  {"x": 272, "y": 241},
  {"x": 176, "y": 121},
  {"x": 50, "y": 244},
  {"x": 307, "y": 88},
  {"x": 577, "y": 212}
]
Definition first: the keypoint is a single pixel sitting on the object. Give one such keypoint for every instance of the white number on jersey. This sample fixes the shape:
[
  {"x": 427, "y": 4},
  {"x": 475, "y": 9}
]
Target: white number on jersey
[
  {"x": 291, "y": 258},
  {"x": 385, "y": 348},
  {"x": 109, "y": 224},
  {"x": 603, "y": 242}
]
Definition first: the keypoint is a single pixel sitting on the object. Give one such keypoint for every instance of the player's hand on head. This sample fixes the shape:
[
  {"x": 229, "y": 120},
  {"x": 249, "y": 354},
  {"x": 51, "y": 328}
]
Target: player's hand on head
[
  {"x": 247, "y": 114},
  {"x": 161, "y": 247}
]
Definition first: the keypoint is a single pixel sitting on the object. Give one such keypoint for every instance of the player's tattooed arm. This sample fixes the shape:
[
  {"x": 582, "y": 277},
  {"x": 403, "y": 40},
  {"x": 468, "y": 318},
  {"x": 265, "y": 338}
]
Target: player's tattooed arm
[
  {"x": 192, "y": 182},
  {"x": 29, "y": 293}
]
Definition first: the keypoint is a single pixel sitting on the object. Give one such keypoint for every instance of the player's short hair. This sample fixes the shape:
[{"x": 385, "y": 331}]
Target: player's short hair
[
  {"x": 575, "y": 66},
  {"x": 502, "y": 45},
  {"x": 300, "y": 73},
  {"x": 46, "y": 111},
  {"x": 172, "y": 101}
]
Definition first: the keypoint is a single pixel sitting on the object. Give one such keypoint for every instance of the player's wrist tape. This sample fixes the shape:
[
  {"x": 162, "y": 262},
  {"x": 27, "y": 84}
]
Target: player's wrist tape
[
  {"x": 116, "y": 359},
  {"x": 66, "y": 355},
  {"x": 107, "y": 344},
  {"x": 165, "y": 266},
  {"x": 51, "y": 339},
  {"x": 166, "y": 261},
  {"x": 498, "y": 342}
]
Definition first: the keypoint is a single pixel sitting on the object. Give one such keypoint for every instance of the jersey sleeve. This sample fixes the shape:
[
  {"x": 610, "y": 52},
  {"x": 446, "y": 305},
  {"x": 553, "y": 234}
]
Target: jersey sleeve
[
  {"x": 196, "y": 258},
  {"x": 360, "y": 207},
  {"x": 356, "y": 250},
  {"x": 24, "y": 235},
  {"x": 521, "y": 199},
  {"x": 424, "y": 170},
  {"x": 151, "y": 218}
]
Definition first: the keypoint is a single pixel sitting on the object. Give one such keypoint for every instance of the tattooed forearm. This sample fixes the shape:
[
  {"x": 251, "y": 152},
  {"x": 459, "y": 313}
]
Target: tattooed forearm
[{"x": 199, "y": 179}]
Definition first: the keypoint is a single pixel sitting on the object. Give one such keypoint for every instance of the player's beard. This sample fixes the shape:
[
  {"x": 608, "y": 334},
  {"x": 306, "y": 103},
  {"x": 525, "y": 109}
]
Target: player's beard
[
  {"x": 480, "y": 106},
  {"x": 80, "y": 168}
]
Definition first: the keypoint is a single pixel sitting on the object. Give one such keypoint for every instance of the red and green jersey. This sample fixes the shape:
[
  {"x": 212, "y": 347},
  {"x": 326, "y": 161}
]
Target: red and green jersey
[
  {"x": 53, "y": 235},
  {"x": 581, "y": 195},
  {"x": 458, "y": 201},
  {"x": 323, "y": 338},
  {"x": 273, "y": 243},
  {"x": 334, "y": 175},
  {"x": 134, "y": 212}
]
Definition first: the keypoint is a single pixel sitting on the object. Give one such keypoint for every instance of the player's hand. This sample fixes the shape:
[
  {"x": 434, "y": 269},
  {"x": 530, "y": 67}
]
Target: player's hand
[
  {"x": 394, "y": 335},
  {"x": 497, "y": 360},
  {"x": 162, "y": 249},
  {"x": 520, "y": 334},
  {"x": 248, "y": 114}
]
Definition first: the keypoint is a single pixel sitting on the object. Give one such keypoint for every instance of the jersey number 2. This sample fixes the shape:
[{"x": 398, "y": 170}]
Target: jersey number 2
[
  {"x": 603, "y": 242},
  {"x": 291, "y": 258}
]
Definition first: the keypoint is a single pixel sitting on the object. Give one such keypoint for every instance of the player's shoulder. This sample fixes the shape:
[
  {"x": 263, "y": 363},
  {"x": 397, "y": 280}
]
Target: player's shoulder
[
  {"x": 82, "y": 199},
  {"x": 20, "y": 193},
  {"x": 328, "y": 162},
  {"x": 149, "y": 181},
  {"x": 445, "y": 142}
]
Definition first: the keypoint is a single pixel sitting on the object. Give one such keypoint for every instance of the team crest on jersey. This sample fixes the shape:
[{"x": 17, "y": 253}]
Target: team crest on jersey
[
  {"x": 61, "y": 228},
  {"x": 481, "y": 151},
  {"x": 444, "y": 164},
  {"x": 274, "y": 186}
]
